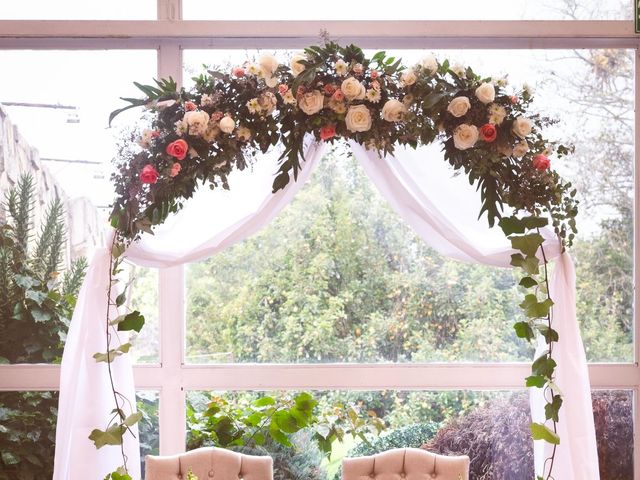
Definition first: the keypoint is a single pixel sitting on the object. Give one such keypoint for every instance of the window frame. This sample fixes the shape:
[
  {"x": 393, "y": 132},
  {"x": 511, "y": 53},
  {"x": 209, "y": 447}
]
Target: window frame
[{"x": 170, "y": 35}]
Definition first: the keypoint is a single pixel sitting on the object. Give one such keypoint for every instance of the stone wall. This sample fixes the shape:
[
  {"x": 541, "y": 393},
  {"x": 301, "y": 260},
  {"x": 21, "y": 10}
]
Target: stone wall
[{"x": 84, "y": 227}]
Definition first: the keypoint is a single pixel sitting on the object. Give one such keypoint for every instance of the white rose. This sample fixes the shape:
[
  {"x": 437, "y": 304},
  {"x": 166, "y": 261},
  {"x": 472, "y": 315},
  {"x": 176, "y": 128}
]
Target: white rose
[
  {"x": 408, "y": 78},
  {"x": 521, "y": 127},
  {"x": 430, "y": 64},
  {"x": 253, "y": 69},
  {"x": 353, "y": 89},
  {"x": 358, "y": 118},
  {"x": 459, "y": 70},
  {"x": 496, "y": 114},
  {"x": 197, "y": 122},
  {"x": 459, "y": 106},
  {"x": 342, "y": 68},
  {"x": 394, "y": 111},
  {"x": 296, "y": 67},
  {"x": 271, "y": 82},
  {"x": 465, "y": 136},
  {"x": 227, "y": 124},
  {"x": 268, "y": 65},
  {"x": 244, "y": 134},
  {"x": 486, "y": 93},
  {"x": 521, "y": 149},
  {"x": 311, "y": 102}
]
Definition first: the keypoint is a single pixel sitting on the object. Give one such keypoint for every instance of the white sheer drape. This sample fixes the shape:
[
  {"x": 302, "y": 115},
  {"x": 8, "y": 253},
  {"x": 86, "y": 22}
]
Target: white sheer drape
[{"x": 420, "y": 188}]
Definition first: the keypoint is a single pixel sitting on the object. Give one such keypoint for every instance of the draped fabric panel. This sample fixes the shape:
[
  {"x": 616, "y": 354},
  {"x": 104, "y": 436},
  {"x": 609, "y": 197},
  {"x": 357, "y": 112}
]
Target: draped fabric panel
[{"x": 419, "y": 186}]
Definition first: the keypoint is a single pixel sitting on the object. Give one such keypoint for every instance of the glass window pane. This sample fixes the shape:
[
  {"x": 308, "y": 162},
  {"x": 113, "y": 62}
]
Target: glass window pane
[
  {"x": 79, "y": 10},
  {"x": 453, "y": 10},
  {"x": 345, "y": 282},
  {"x": 56, "y": 131},
  {"x": 148, "y": 402},
  {"x": 143, "y": 296},
  {"x": 492, "y": 428}
]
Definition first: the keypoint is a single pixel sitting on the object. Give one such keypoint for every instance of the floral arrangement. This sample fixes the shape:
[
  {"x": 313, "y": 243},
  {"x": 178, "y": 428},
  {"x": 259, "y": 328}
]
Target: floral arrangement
[{"x": 487, "y": 130}]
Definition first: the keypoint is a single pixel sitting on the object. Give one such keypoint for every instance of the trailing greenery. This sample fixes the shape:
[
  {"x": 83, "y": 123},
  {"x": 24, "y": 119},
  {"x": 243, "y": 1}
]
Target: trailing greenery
[{"x": 36, "y": 304}]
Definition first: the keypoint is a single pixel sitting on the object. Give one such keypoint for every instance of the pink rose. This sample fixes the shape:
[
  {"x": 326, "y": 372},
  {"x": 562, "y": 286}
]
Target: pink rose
[
  {"x": 338, "y": 96},
  {"x": 330, "y": 89},
  {"x": 541, "y": 162},
  {"x": 374, "y": 74},
  {"x": 189, "y": 106},
  {"x": 175, "y": 169},
  {"x": 282, "y": 89},
  {"x": 149, "y": 174},
  {"x": 328, "y": 131},
  {"x": 513, "y": 99},
  {"x": 301, "y": 91},
  {"x": 216, "y": 116},
  {"x": 238, "y": 72},
  {"x": 178, "y": 149}
]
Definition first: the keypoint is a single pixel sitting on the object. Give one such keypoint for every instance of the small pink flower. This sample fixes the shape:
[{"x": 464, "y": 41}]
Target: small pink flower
[
  {"x": 330, "y": 89},
  {"x": 282, "y": 89},
  {"x": 175, "y": 169},
  {"x": 513, "y": 99},
  {"x": 189, "y": 106},
  {"x": 358, "y": 68},
  {"x": 155, "y": 133},
  {"x": 374, "y": 74},
  {"x": 301, "y": 91},
  {"x": 375, "y": 85},
  {"x": 338, "y": 96},
  {"x": 216, "y": 116},
  {"x": 541, "y": 162},
  {"x": 238, "y": 72}
]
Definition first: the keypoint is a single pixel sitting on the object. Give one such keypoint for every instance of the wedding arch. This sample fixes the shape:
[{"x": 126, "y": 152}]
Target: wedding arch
[{"x": 235, "y": 120}]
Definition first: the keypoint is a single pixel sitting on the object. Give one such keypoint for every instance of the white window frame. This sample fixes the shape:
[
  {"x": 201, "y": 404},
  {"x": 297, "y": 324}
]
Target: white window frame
[{"x": 169, "y": 35}]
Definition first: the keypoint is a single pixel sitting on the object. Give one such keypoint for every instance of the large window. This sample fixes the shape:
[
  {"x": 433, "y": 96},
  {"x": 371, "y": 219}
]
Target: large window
[{"x": 338, "y": 296}]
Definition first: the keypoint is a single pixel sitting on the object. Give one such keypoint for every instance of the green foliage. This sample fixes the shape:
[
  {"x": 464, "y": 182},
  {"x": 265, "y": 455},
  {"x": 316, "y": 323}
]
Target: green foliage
[
  {"x": 253, "y": 422},
  {"x": 410, "y": 436},
  {"x": 36, "y": 305}
]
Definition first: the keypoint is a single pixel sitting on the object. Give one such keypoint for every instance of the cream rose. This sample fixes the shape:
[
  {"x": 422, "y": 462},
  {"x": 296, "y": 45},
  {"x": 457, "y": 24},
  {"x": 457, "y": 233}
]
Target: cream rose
[
  {"x": 521, "y": 127},
  {"x": 486, "y": 93},
  {"x": 227, "y": 124},
  {"x": 465, "y": 136},
  {"x": 296, "y": 67},
  {"x": 353, "y": 89},
  {"x": 268, "y": 65},
  {"x": 394, "y": 111},
  {"x": 358, "y": 118},
  {"x": 244, "y": 134},
  {"x": 459, "y": 70},
  {"x": 311, "y": 102},
  {"x": 267, "y": 102},
  {"x": 196, "y": 122},
  {"x": 429, "y": 63},
  {"x": 521, "y": 149},
  {"x": 408, "y": 78},
  {"x": 459, "y": 106}
]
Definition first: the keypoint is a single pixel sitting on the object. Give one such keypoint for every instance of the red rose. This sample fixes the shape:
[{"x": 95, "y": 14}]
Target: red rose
[
  {"x": 178, "y": 149},
  {"x": 189, "y": 106},
  {"x": 488, "y": 132},
  {"x": 149, "y": 174},
  {"x": 328, "y": 131},
  {"x": 541, "y": 162}
]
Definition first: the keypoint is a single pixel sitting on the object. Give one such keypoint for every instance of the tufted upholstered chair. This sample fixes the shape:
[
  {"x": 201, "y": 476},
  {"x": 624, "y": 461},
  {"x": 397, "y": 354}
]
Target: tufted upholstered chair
[
  {"x": 209, "y": 464},
  {"x": 406, "y": 464}
]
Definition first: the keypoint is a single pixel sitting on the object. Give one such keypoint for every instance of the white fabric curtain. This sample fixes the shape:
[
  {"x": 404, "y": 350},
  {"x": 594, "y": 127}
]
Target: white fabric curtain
[{"x": 419, "y": 186}]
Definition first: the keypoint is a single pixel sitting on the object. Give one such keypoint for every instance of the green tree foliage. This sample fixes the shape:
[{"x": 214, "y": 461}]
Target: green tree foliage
[
  {"x": 338, "y": 277},
  {"x": 36, "y": 304}
]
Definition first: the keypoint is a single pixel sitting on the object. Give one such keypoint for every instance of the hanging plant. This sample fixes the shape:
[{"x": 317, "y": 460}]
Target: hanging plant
[{"x": 488, "y": 132}]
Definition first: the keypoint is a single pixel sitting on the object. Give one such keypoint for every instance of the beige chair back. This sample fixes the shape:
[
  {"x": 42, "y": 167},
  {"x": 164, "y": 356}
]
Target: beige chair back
[
  {"x": 406, "y": 464},
  {"x": 209, "y": 464}
]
